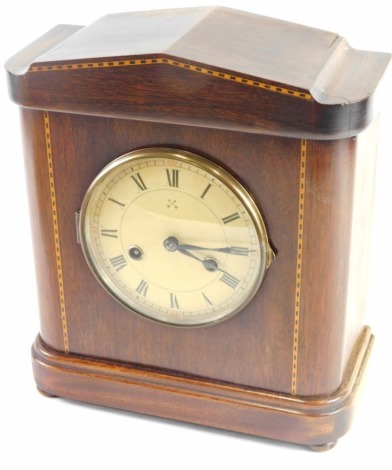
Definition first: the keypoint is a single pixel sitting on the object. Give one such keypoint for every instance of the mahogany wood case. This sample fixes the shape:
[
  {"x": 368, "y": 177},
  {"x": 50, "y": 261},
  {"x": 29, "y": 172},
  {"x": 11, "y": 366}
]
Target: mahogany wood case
[{"x": 290, "y": 112}]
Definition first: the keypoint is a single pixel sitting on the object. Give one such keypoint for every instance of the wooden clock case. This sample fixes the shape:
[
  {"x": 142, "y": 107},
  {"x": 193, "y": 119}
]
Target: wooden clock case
[{"x": 289, "y": 111}]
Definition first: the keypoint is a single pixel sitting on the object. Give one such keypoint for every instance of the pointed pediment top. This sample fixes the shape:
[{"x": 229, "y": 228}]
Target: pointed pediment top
[
  {"x": 238, "y": 69},
  {"x": 245, "y": 43}
]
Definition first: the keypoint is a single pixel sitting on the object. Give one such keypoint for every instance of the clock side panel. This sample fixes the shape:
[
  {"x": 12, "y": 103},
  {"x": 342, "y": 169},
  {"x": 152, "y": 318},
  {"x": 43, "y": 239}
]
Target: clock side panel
[
  {"x": 361, "y": 236},
  {"x": 338, "y": 200},
  {"x": 253, "y": 348}
]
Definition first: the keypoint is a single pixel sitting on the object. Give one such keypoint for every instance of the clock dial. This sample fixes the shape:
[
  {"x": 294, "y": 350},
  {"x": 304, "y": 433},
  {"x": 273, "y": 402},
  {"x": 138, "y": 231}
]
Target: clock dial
[{"x": 174, "y": 237}]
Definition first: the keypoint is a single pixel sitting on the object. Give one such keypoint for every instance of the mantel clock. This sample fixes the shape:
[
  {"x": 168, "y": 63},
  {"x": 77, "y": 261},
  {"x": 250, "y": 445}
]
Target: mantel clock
[{"x": 198, "y": 181}]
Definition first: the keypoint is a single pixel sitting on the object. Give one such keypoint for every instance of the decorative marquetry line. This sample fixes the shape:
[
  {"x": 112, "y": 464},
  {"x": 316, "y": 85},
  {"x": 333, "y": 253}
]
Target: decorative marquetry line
[
  {"x": 60, "y": 278},
  {"x": 298, "y": 273},
  {"x": 175, "y": 63}
]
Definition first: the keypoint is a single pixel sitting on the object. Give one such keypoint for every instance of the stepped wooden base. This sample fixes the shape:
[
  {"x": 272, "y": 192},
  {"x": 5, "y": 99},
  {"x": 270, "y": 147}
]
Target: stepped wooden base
[{"x": 313, "y": 421}]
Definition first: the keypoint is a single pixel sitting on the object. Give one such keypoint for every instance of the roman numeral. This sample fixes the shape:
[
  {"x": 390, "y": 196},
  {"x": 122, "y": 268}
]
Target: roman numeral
[
  {"x": 230, "y": 280},
  {"x": 173, "y": 301},
  {"x": 105, "y": 232},
  {"x": 118, "y": 262},
  {"x": 139, "y": 181},
  {"x": 230, "y": 218},
  {"x": 172, "y": 177},
  {"x": 240, "y": 251},
  {"x": 206, "y": 299},
  {"x": 116, "y": 202},
  {"x": 142, "y": 288},
  {"x": 205, "y": 191}
]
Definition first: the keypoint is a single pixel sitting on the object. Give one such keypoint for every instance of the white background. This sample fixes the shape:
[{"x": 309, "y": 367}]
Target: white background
[{"x": 56, "y": 434}]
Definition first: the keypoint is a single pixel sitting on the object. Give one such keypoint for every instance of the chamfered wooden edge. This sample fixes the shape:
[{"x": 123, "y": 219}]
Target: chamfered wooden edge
[
  {"x": 313, "y": 421},
  {"x": 254, "y": 104}
]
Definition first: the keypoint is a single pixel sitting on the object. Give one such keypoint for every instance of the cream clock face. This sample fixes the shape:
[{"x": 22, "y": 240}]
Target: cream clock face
[{"x": 174, "y": 237}]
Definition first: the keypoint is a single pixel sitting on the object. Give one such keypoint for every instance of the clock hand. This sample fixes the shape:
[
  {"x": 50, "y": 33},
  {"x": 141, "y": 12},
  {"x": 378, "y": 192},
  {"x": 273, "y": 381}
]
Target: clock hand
[
  {"x": 208, "y": 263},
  {"x": 212, "y": 265},
  {"x": 231, "y": 250},
  {"x": 171, "y": 244}
]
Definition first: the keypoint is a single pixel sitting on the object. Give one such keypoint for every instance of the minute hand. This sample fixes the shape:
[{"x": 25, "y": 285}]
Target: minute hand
[{"x": 231, "y": 250}]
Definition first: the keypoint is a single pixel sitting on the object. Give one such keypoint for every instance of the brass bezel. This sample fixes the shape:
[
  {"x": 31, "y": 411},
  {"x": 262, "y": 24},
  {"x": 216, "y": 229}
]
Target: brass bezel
[{"x": 204, "y": 164}]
